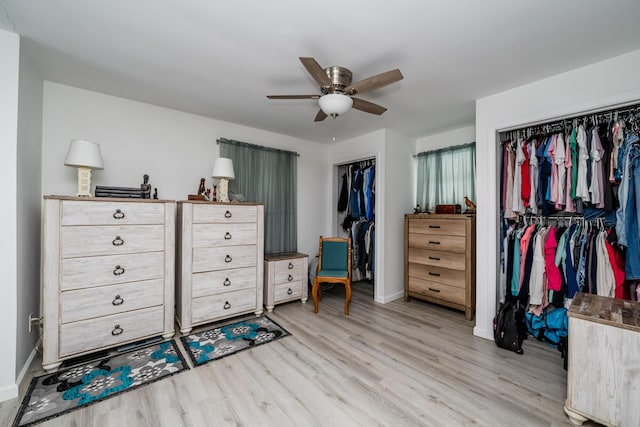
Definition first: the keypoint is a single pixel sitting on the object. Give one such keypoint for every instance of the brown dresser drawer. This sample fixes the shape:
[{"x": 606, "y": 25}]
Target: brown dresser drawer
[
  {"x": 223, "y": 258},
  {"x": 82, "y": 241},
  {"x": 287, "y": 291},
  {"x": 437, "y": 242},
  {"x": 110, "y": 269},
  {"x": 445, "y": 276},
  {"x": 446, "y": 227},
  {"x": 106, "y": 300},
  {"x": 109, "y": 331},
  {"x": 226, "y": 214},
  {"x": 215, "y": 235},
  {"x": 220, "y": 281},
  {"x": 440, "y": 291},
  {"x": 451, "y": 260},
  {"x": 111, "y": 213},
  {"x": 223, "y": 305}
]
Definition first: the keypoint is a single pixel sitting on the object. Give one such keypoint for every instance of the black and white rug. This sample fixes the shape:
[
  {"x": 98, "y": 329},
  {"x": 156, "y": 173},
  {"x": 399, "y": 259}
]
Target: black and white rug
[
  {"x": 222, "y": 341},
  {"x": 55, "y": 394}
]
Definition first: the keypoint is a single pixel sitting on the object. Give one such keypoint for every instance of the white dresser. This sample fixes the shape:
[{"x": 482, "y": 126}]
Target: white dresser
[
  {"x": 286, "y": 278},
  {"x": 220, "y": 255},
  {"x": 108, "y": 274}
]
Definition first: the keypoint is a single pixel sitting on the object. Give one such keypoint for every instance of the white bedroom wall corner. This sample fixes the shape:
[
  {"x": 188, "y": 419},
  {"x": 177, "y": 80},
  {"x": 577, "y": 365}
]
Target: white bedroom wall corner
[{"x": 9, "y": 82}]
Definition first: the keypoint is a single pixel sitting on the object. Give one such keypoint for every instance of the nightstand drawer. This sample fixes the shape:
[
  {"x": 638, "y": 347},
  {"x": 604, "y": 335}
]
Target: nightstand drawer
[
  {"x": 210, "y": 259},
  {"x": 288, "y": 265},
  {"x": 217, "y": 282},
  {"x": 445, "y": 227},
  {"x": 437, "y": 290},
  {"x": 109, "y": 331},
  {"x": 106, "y": 300},
  {"x": 111, "y": 213},
  {"x": 223, "y": 305},
  {"x": 81, "y": 241},
  {"x": 225, "y": 214},
  {"x": 287, "y": 291},
  {"x": 437, "y": 242},
  {"x": 215, "y": 235},
  {"x": 111, "y": 269}
]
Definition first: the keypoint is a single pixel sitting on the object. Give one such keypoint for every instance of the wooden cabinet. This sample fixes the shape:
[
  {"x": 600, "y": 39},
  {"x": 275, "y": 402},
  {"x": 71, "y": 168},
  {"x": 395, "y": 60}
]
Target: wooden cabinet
[
  {"x": 286, "y": 277},
  {"x": 220, "y": 256},
  {"x": 108, "y": 274},
  {"x": 603, "y": 375},
  {"x": 439, "y": 253}
]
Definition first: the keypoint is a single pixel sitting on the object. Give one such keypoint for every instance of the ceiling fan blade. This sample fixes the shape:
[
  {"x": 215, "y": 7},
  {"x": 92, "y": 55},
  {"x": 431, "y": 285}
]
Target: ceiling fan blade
[
  {"x": 317, "y": 72},
  {"x": 374, "y": 82},
  {"x": 320, "y": 116},
  {"x": 293, "y": 96},
  {"x": 368, "y": 107}
]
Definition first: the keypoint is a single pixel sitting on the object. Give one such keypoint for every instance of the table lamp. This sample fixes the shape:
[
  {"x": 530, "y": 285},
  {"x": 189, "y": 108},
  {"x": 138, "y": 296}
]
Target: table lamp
[
  {"x": 223, "y": 170},
  {"x": 84, "y": 155}
]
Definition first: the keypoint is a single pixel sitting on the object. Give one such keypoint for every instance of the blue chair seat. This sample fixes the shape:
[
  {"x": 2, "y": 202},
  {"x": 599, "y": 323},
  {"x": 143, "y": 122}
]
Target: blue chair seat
[{"x": 333, "y": 273}]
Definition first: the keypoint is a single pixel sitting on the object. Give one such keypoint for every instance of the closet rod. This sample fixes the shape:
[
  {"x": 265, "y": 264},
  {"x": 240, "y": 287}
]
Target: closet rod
[{"x": 633, "y": 107}]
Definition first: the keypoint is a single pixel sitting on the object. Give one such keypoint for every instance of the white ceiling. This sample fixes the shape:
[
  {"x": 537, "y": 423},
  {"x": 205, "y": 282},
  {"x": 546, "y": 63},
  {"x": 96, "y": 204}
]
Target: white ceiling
[{"x": 221, "y": 58}]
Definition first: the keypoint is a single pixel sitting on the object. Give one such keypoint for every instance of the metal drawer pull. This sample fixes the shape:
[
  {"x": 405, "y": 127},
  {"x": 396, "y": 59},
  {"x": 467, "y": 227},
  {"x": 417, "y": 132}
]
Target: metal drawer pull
[
  {"x": 227, "y": 236},
  {"x": 289, "y": 292},
  {"x": 290, "y": 266},
  {"x": 118, "y": 214},
  {"x": 433, "y": 243},
  {"x": 228, "y": 259},
  {"x": 227, "y": 214},
  {"x": 434, "y": 226},
  {"x": 118, "y": 270},
  {"x": 118, "y": 300},
  {"x": 117, "y": 241},
  {"x": 227, "y": 282},
  {"x": 434, "y": 274},
  {"x": 290, "y": 278},
  {"x": 227, "y": 306},
  {"x": 434, "y": 290},
  {"x": 434, "y": 258},
  {"x": 117, "y": 330}
]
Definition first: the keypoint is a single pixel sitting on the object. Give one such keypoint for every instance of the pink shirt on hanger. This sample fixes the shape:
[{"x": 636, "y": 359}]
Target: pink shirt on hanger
[{"x": 554, "y": 278}]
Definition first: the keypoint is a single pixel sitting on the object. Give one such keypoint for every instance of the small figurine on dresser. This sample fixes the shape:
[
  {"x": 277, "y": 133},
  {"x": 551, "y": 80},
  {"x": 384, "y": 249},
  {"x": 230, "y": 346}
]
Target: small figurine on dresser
[
  {"x": 471, "y": 207},
  {"x": 145, "y": 187},
  {"x": 202, "y": 192},
  {"x": 155, "y": 193}
]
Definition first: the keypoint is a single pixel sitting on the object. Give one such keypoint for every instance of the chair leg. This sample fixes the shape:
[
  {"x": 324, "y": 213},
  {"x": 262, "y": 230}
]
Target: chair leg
[
  {"x": 314, "y": 294},
  {"x": 347, "y": 287}
]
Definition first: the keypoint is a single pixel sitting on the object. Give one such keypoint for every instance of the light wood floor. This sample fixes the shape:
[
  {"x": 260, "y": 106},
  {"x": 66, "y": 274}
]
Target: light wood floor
[{"x": 395, "y": 364}]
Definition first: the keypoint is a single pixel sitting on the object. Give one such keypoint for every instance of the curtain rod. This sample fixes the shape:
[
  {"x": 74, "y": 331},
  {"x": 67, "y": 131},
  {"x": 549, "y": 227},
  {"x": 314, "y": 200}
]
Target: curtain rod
[
  {"x": 439, "y": 150},
  {"x": 254, "y": 146}
]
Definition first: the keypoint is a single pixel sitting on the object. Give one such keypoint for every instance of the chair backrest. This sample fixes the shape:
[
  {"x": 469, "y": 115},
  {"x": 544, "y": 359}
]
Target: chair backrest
[{"x": 335, "y": 254}]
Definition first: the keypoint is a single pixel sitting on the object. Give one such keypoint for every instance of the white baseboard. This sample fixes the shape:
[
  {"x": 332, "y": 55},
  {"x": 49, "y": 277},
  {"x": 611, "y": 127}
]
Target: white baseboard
[
  {"x": 8, "y": 392},
  {"x": 27, "y": 366},
  {"x": 483, "y": 333},
  {"x": 388, "y": 298}
]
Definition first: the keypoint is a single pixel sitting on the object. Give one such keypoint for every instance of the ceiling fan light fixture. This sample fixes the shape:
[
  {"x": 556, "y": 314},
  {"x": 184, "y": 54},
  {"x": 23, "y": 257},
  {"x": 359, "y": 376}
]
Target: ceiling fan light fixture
[{"x": 335, "y": 104}]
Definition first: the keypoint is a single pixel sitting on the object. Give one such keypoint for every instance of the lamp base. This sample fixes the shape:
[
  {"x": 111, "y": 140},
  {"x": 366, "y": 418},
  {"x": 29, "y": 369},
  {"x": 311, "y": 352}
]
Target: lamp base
[
  {"x": 84, "y": 182},
  {"x": 224, "y": 190}
]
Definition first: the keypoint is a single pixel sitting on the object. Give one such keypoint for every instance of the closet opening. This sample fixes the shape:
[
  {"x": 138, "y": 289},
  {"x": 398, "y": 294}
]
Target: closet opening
[{"x": 355, "y": 209}]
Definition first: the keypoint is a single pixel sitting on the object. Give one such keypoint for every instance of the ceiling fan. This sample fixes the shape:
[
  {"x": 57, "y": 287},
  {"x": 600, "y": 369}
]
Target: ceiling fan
[{"x": 338, "y": 91}]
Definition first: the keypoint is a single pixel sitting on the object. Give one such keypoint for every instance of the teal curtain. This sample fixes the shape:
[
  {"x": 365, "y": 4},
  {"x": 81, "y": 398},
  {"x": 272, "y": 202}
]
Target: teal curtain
[
  {"x": 446, "y": 176},
  {"x": 267, "y": 175}
]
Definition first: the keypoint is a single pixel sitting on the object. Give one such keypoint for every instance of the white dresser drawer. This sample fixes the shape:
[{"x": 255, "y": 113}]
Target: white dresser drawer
[
  {"x": 288, "y": 276},
  {"x": 216, "y": 282},
  {"x": 209, "y": 259},
  {"x": 214, "y": 235},
  {"x": 80, "y": 241},
  {"x": 223, "y": 305},
  {"x": 105, "y": 300},
  {"x": 109, "y": 331},
  {"x": 224, "y": 214},
  {"x": 287, "y": 265},
  {"x": 287, "y": 291},
  {"x": 110, "y": 269},
  {"x": 111, "y": 213}
]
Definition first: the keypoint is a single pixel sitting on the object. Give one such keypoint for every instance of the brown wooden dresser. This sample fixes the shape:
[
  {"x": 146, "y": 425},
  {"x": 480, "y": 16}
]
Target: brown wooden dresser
[{"x": 439, "y": 252}]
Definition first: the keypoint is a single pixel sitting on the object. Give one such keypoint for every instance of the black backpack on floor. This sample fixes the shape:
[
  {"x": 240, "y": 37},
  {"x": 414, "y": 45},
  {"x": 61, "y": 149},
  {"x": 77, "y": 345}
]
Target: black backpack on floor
[{"x": 509, "y": 328}]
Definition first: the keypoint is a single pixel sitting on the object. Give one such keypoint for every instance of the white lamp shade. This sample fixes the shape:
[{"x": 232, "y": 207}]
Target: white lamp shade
[
  {"x": 334, "y": 104},
  {"x": 223, "y": 168},
  {"x": 84, "y": 154}
]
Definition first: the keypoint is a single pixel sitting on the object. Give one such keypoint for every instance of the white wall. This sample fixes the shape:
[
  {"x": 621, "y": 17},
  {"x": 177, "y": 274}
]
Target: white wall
[
  {"x": 175, "y": 148},
  {"x": 9, "y": 79},
  {"x": 602, "y": 84},
  {"x": 449, "y": 138},
  {"x": 29, "y": 202}
]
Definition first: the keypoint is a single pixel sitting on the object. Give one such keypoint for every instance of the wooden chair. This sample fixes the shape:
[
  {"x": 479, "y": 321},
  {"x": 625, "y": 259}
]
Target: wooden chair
[{"x": 334, "y": 266}]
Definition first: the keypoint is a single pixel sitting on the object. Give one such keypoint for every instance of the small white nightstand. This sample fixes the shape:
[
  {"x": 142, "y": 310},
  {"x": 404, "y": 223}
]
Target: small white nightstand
[{"x": 285, "y": 278}]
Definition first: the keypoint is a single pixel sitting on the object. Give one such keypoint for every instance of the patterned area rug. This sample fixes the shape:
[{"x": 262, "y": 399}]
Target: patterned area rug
[
  {"x": 231, "y": 338},
  {"x": 55, "y": 394}
]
